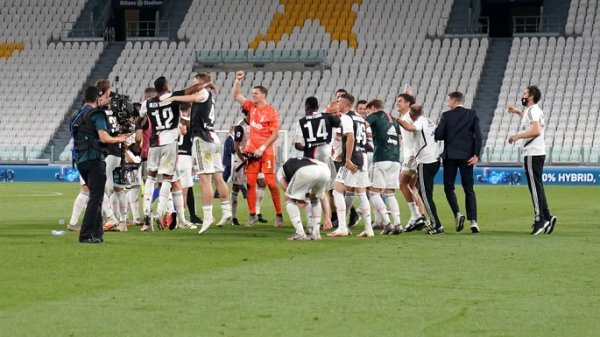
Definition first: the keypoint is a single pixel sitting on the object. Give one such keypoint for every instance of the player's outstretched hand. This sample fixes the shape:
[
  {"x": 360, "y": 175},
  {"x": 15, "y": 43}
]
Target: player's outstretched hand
[
  {"x": 240, "y": 75},
  {"x": 350, "y": 166}
]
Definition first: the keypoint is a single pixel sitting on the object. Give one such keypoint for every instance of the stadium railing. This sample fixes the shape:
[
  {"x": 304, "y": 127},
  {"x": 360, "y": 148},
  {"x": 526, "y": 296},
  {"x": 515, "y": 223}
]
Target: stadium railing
[
  {"x": 147, "y": 30},
  {"x": 555, "y": 155},
  {"x": 261, "y": 56},
  {"x": 538, "y": 25}
]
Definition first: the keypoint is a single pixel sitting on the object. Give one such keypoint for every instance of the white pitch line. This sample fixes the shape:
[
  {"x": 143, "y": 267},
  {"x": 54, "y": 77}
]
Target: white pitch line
[{"x": 40, "y": 194}]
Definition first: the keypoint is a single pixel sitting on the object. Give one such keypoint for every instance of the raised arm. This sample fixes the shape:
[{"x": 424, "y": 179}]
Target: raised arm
[
  {"x": 406, "y": 125},
  {"x": 519, "y": 113},
  {"x": 236, "y": 91}
]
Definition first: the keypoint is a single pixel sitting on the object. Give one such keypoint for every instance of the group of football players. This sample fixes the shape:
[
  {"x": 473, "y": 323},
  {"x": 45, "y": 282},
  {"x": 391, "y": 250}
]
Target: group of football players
[{"x": 350, "y": 148}]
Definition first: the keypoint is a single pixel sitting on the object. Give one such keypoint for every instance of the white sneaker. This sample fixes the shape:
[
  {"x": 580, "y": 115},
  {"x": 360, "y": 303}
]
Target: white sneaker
[
  {"x": 225, "y": 219},
  {"x": 338, "y": 233},
  {"x": 298, "y": 237},
  {"x": 204, "y": 227},
  {"x": 186, "y": 225},
  {"x": 122, "y": 227},
  {"x": 366, "y": 234},
  {"x": 314, "y": 235},
  {"x": 147, "y": 228}
]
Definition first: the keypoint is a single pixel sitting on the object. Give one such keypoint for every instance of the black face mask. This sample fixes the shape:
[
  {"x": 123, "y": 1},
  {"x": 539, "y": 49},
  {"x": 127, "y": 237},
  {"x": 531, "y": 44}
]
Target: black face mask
[{"x": 524, "y": 101}]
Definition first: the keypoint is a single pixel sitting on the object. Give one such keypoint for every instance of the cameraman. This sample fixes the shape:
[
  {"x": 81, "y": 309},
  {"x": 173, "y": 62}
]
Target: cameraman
[
  {"x": 89, "y": 129},
  {"x": 115, "y": 193}
]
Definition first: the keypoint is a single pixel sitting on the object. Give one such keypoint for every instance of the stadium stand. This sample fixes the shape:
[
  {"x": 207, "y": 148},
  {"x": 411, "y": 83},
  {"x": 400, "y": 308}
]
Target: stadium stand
[
  {"x": 371, "y": 48},
  {"x": 42, "y": 76},
  {"x": 386, "y": 55},
  {"x": 565, "y": 69}
]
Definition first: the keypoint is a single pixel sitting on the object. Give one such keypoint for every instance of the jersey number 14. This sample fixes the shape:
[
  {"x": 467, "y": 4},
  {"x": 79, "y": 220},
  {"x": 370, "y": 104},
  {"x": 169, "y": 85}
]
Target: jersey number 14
[{"x": 321, "y": 131}]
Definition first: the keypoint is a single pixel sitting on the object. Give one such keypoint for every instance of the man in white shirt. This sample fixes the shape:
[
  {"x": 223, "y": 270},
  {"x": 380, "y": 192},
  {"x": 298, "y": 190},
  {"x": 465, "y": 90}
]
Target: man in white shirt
[
  {"x": 408, "y": 173},
  {"x": 534, "y": 155},
  {"x": 427, "y": 155}
]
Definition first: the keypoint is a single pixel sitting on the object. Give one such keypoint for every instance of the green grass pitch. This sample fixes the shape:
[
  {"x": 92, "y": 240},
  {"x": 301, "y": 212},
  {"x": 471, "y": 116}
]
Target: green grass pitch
[{"x": 253, "y": 282}]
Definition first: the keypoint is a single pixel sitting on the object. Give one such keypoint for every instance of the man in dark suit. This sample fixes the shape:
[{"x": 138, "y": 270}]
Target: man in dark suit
[{"x": 460, "y": 131}]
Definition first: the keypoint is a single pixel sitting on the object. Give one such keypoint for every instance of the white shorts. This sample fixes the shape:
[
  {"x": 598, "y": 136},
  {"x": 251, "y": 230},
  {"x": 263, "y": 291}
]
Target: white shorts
[
  {"x": 163, "y": 159},
  {"x": 410, "y": 166},
  {"x": 112, "y": 162},
  {"x": 239, "y": 177},
  {"x": 184, "y": 166},
  {"x": 207, "y": 156},
  {"x": 385, "y": 175},
  {"x": 308, "y": 179},
  {"x": 359, "y": 179},
  {"x": 370, "y": 159}
]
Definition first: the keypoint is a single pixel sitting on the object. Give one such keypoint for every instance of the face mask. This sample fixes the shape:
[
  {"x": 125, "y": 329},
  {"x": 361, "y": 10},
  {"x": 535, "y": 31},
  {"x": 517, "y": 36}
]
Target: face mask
[{"x": 524, "y": 101}]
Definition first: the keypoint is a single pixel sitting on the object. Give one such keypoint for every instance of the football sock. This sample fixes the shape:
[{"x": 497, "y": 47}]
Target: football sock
[
  {"x": 133, "y": 199},
  {"x": 148, "y": 193},
  {"x": 294, "y": 214},
  {"x": 179, "y": 207},
  {"x": 234, "y": 202},
  {"x": 366, "y": 210},
  {"x": 380, "y": 208},
  {"x": 340, "y": 205},
  {"x": 208, "y": 214},
  {"x": 392, "y": 203},
  {"x": 414, "y": 211},
  {"x": 78, "y": 206},
  {"x": 260, "y": 193}
]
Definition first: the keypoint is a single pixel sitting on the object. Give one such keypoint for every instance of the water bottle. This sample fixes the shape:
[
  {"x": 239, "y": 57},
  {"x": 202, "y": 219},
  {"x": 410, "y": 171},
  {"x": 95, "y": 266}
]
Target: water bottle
[{"x": 57, "y": 233}]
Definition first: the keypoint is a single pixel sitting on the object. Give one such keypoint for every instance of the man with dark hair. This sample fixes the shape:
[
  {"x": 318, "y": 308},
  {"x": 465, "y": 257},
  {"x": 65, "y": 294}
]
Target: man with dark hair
[
  {"x": 313, "y": 137},
  {"x": 408, "y": 172},
  {"x": 354, "y": 174},
  {"x": 427, "y": 157},
  {"x": 115, "y": 194},
  {"x": 264, "y": 131},
  {"x": 361, "y": 108},
  {"x": 206, "y": 151},
  {"x": 241, "y": 132},
  {"x": 534, "y": 155},
  {"x": 313, "y": 132},
  {"x": 302, "y": 179},
  {"x": 386, "y": 166},
  {"x": 89, "y": 130},
  {"x": 338, "y": 94},
  {"x": 460, "y": 131},
  {"x": 185, "y": 164},
  {"x": 164, "y": 113}
]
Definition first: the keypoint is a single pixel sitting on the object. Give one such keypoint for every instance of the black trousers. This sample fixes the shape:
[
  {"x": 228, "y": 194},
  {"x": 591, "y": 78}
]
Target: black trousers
[
  {"x": 427, "y": 173},
  {"x": 93, "y": 173},
  {"x": 534, "y": 166},
  {"x": 451, "y": 166},
  {"x": 226, "y": 172}
]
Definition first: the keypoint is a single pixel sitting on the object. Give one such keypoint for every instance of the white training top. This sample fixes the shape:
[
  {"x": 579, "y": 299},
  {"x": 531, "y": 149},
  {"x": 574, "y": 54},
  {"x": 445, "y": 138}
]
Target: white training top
[
  {"x": 427, "y": 149},
  {"x": 535, "y": 146}
]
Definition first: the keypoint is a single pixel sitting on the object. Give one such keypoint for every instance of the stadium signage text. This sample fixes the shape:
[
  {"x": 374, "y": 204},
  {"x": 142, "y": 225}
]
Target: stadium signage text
[
  {"x": 483, "y": 175},
  {"x": 141, "y": 3}
]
